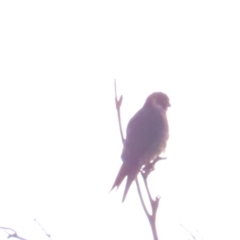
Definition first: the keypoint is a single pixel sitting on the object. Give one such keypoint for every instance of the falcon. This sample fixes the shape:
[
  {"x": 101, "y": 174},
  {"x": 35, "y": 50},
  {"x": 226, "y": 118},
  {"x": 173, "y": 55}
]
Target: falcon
[{"x": 146, "y": 138}]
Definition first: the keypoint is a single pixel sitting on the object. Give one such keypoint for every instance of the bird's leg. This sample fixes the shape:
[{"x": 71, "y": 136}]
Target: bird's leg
[{"x": 148, "y": 168}]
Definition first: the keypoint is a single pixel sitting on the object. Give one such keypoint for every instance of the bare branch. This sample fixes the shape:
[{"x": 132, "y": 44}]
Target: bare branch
[
  {"x": 13, "y": 234},
  {"x": 118, "y": 106},
  {"x": 141, "y": 199},
  {"x": 188, "y": 231},
  {"x": 47, "y": 234}
]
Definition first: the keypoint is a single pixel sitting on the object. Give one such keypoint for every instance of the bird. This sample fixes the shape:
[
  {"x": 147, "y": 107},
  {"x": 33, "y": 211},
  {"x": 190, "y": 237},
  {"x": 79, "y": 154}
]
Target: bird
[{"x": 146, "y": 138}]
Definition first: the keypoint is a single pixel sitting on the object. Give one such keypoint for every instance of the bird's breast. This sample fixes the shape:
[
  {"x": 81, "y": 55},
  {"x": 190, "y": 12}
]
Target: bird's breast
[{"x": 147, "y": 135}]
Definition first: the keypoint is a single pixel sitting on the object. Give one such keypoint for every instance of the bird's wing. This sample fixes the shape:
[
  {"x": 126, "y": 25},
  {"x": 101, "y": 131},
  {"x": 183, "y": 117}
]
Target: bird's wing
[{"x": 144, "y": 132}]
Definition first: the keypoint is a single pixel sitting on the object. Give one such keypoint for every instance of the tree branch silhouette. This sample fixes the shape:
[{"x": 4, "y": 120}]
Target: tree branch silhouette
[
  {"x": 13, "y": 234},
  {"x": 145, "y": 171},
  {"x": 47, "y": 234}
]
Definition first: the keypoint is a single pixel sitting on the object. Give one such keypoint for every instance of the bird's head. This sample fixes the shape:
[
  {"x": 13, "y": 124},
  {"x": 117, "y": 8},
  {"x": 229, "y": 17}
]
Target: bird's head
[{"x": 158, "y": 99}]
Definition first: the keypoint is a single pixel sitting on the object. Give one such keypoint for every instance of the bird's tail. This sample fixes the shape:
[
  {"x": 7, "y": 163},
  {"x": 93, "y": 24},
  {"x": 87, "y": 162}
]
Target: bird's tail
[
  {"x": 128, "y": 184},
  {"x": 125, "y": 171}
]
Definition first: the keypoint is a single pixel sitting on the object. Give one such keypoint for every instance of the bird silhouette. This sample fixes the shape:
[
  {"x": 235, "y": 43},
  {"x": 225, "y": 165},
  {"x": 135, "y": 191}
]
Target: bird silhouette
[{"x": 146, "y": 138}]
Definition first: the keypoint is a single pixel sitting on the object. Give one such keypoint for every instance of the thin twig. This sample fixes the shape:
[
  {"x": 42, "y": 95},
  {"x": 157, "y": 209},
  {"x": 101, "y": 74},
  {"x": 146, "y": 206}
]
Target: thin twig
[
  {"x": 141, "y": 199},
  {"x": 188, "y": 231},
  {"x": 118, "y": 106},
  {"x": 47, "y": 234},
  {"x": 12, "y": 235},
  {"x": 154, "y": 206},
  {"x": 147, "y": 188}
]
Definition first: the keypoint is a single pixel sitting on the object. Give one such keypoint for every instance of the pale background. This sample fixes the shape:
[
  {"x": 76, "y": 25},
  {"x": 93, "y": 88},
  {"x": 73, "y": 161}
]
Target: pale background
[{"x": 59, "y": 139}]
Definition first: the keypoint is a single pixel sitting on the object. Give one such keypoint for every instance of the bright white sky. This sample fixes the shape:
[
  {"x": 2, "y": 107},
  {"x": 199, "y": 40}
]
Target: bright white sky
[{"x": 59, "y": 139}]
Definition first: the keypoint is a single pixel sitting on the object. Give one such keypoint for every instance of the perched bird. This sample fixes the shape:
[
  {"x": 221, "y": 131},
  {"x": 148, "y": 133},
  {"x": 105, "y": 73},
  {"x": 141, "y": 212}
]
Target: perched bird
[{"x": 147, "y": 135}]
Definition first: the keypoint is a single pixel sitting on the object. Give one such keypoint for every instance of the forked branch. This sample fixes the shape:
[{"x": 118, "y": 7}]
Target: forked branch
[{"x": 145, "y": 171}]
